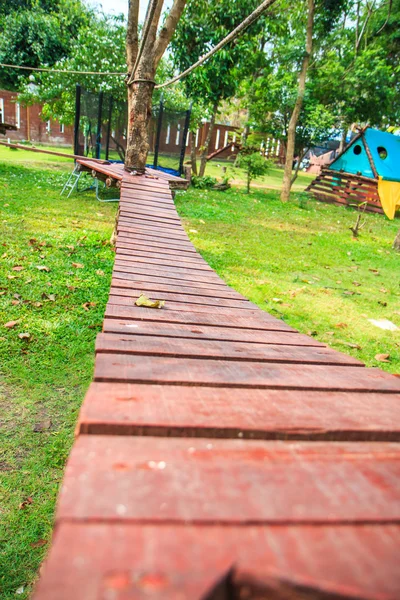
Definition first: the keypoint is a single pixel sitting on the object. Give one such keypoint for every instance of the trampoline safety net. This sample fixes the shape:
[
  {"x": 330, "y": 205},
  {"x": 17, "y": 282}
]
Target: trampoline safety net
[{"x": 101, "y": 128}]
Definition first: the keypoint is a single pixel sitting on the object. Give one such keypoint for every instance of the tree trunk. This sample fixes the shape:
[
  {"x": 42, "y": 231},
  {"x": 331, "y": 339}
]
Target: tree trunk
[
  {"x": 205, "y": 151},
  {"x": 248, "y": 183},
  {"x": 139, "y": 114},
  {"x": 396, "y": 243},
  {"x": 193, "y": 157},
  {"x": 291, "y": 138},
  {"x": 342, "y": 144},
  {"x": 296, "y": 172}
]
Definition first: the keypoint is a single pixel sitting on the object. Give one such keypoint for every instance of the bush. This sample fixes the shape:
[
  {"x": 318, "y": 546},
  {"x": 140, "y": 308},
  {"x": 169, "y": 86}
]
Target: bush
[
  {"x": 253, "y": 163},
  {"x": 203, "y": 183}
]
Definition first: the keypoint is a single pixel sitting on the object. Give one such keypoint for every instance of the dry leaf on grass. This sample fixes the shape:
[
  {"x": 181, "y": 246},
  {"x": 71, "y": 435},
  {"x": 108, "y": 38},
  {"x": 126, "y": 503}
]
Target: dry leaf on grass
[
  {"x": 25, "y": 503},
  {"x": 78, "y": 265},
  {"x": 144, "y": 301},
  {"x": 11, "y": 324},
  {"x": 24, "y": 336},
  {"x": 43, "y": 268},
  {"x": 18, "y": 268},
  {"x": 382, "y": 357},
  {"x": 88, "y": 305},
  {"x": 42, "y": 426},
  {"x": 38, "y": 544},
  {"x": 341, "y": 325}
]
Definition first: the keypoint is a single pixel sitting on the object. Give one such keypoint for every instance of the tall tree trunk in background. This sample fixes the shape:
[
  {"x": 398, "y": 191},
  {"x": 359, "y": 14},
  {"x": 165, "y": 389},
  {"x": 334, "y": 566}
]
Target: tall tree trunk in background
[
  {"x": 342, "y": 144},
  {"x": 301, "y": 156},
  {"x": 205, "y": 150},
  {"x": 141, "y": 73},
  {"x": 396, "y": 243},
  {"x": 193, "y": 157},
  {"x": 291, "y": 138}
]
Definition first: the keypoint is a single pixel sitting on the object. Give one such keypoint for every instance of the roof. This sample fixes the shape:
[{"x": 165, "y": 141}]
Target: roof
[{"x": 355, "y": 158}]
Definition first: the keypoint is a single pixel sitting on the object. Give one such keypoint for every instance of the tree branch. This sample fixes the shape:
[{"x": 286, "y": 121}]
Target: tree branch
[
  {"x": 168, "y": 29},
  {"x": 132, "y": 33}
]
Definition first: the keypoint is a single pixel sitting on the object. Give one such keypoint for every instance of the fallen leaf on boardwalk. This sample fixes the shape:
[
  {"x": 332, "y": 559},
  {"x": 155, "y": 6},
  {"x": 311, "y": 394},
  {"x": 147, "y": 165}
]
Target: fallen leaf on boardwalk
[
  {"x": 11, "y": 324},
  {"x": 341, "y": 325},
  {"x": 43, "y": 268},
  {"x": 88, "y": 305},
  {"x": 144, "y": 301},
  {"x": 78, "y": 265},
  {"x": 18, "y": 268},
  {"x": 382, "y": 357},
  {"x": 25, "y": 503},
  {"x": 42, "y": 426},
  {"x": 24, "y": 336},
  {"x": 38, "y": 544}
]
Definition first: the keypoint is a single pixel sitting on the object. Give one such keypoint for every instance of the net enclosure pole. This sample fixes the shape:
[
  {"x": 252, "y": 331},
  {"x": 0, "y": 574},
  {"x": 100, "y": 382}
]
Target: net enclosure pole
[
  {"x": 158, "y": 135},
  {"x": 77, "y": 118},
  {"x": 99, "y": 119},
  {"x": 110, "y": 107},
  {"x": 185, "y": 134}
]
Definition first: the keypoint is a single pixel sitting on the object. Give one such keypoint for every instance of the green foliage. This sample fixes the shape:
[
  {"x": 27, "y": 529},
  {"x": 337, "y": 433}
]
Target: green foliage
[
  {"x": 255, "y": 165},
  {"x": 203, "y": 183},
  {"x": 39, "y": 36}
]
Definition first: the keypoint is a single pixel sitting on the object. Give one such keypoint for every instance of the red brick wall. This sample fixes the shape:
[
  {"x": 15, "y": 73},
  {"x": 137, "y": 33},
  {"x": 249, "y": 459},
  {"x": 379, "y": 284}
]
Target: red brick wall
[{"x": 32, "y": 128}]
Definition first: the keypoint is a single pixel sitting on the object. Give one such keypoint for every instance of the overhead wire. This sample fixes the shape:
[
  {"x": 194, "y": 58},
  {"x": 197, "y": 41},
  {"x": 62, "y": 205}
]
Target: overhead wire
[{"x": 146, "y": 28}]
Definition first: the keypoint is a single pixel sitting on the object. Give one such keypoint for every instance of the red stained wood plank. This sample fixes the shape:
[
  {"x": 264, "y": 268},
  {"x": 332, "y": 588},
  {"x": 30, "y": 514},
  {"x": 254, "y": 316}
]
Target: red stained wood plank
[
  {"x": 135, "y": 562},
  {"x": 169, "y": 261},
  {"x": 148, "y": 231},
  {"x": 237, "y": 351},
  {"x": 146, "y": 211},
  {"x": 157, "y": 244},
  {"x": 160, "y": 410},
  {"x": 199, "y": 332},
  {"x": 161, "y": 222},
  {"x": 247, "y": 321},
  {"x": 133, "y": 292},
  {"x": 149, "y": 205},
  {"x": 148, "y": 251},
  {"x": 218, "y": 373},
  {"x": 230, "y": 481},
  {"x": 130, "y": 281},
  {"x": 117, "y": 300},
  {"x": 177, "y": 273}
]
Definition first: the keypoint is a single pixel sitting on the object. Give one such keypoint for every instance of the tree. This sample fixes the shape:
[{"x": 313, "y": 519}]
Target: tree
[
  {"x": 37, "y": 38},
  {"x": 203, "y": 24},
  {"x": 142, "y": 66},
  {"x": 253, "y": 163},
  {"x": 291, "y": 136},
  {"x": 98, "y": 47}
]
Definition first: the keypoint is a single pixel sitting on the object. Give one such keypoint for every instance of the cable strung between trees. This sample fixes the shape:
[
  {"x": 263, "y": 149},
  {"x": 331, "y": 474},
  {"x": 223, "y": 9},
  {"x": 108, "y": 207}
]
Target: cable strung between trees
[
  {"x": 229, "y": 38},
  {"x": 149, "y": 17}
]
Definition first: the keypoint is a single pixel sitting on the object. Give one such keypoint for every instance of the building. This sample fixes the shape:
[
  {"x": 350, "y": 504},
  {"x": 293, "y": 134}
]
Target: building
[{"x": 30, "y": 126}]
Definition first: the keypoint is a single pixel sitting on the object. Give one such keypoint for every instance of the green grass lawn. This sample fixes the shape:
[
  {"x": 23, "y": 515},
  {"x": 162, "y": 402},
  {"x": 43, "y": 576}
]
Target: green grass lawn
[
  {"x": 301, "y": 264},
  {"x": 304, "y": 266},
  {"x": 44, "y": 377}
]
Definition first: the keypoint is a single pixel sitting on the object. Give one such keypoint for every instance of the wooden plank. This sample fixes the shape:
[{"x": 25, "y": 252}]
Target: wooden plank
[
  {"x": 218, "y": 373},
  {"x": 147, "y": 210},
  {"x": 230, "y": 481},
  {"x": 161, "y": 222},
  {"x": 143, "y": 249},
  {"x": 236, "y": 319},
  {"x": 101, "y": 561},
  {"x": 149, "y": 282},
  {"x": 149, "y": 259},
  {"x": 158, "y": 245},
  {"x": 176, "y": 273},
  {"x": 223, "y": 350},
  {"x": 199, "y": 332},
  {"x": 133, "y": 292},
  {"x": 146, "y": 231},
  {"x": 158, "y": 410},
  {"x": 117, "y": 300}
]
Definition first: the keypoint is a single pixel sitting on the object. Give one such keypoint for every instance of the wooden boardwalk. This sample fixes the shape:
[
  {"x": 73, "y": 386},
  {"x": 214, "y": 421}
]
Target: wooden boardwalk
[{"x": 220, "y": 454}]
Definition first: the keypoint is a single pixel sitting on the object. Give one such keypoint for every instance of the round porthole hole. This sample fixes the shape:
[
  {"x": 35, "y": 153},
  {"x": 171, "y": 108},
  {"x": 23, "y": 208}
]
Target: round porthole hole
[
  {"x": 382, "y": 152},
  {"x": 357, "y": 149}
]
